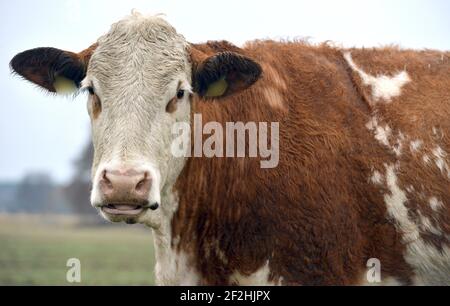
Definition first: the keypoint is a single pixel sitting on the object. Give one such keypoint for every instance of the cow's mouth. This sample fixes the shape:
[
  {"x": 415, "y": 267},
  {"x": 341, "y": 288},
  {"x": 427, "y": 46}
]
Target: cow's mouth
[
  {"x": 127, "y": 209},
  {"x": 123, "y": 209}
]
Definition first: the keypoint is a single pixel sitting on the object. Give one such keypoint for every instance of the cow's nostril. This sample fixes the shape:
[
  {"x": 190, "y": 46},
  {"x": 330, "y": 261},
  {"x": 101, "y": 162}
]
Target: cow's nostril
[
  {"x": 106, "y": 182},
  {"x": 143, "y": 186}
]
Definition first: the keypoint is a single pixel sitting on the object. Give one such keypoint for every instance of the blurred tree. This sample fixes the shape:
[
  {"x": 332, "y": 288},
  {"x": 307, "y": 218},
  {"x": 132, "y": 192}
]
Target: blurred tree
[
  {"x": 34, "y": 193},
  {"x": 78, "y": 190}
]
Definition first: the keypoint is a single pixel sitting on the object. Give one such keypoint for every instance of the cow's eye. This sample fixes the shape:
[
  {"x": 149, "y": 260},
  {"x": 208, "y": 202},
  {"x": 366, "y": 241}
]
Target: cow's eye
[
  {"x": 180, "y": 94},
  {"x": 95, "y": 102}
]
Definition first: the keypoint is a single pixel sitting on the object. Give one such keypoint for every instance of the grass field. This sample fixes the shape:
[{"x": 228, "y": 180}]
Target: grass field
[{"x": 34, "y": 251}]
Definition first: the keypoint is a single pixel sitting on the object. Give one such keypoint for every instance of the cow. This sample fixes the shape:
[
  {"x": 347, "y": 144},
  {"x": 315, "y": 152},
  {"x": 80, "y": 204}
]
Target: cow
[{"x": 360, "y": 191}]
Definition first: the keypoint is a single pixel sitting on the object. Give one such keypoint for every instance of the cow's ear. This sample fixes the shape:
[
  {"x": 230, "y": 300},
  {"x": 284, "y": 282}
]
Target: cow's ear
[
  {"x": 223, "y": 73},
  {"x": 53, "y": 69}
]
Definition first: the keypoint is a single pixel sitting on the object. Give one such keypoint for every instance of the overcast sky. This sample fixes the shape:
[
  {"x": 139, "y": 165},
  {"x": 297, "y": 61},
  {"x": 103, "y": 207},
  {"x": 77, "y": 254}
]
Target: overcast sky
[{"x": 39, "y": 132}]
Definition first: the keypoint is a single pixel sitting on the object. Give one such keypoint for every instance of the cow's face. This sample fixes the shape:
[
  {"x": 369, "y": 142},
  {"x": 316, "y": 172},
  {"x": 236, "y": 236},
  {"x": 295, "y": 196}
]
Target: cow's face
[
  {"x": 139, "y": 84},
  {"x": 140, "y": 78}
]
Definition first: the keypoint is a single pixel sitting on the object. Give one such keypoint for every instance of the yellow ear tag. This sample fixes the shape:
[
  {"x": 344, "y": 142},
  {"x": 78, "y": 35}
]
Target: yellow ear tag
[
  {"x": 217, "y": 88},
  {"x": 64, "y": 86}
]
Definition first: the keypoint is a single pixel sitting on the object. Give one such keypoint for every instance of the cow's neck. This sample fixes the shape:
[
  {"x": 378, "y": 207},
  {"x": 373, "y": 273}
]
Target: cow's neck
[{"x": 172, "y": 266}]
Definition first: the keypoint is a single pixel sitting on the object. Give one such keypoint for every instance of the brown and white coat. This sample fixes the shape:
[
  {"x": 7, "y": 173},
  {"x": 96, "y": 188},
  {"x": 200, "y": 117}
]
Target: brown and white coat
[{"x": 364, "y": 169}]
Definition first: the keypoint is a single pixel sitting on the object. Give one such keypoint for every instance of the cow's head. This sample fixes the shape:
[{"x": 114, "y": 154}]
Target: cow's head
[{"x": 140, "y": 78}]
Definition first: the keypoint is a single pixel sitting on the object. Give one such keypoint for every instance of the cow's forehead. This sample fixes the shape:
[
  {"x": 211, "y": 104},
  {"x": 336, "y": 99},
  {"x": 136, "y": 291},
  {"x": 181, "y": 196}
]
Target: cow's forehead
[
  {"x": 146, "y": 46},
  {"x": 154, "y": 29}
]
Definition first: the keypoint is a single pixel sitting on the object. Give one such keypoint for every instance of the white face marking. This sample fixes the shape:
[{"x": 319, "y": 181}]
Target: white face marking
[
  {"x": 138, "y": 67},
  {"x": 383, "y": 87},
  {"x": 258, "y": 278}
]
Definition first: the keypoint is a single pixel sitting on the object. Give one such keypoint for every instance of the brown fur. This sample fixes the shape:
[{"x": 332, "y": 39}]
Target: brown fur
[{"x": 315, "y": 217}]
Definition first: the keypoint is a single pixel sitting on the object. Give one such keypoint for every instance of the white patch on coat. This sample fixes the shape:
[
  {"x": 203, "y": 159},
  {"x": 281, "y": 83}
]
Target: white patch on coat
[
  {"x": 440, "y": 160},
  {"x": 426, "y": 159},
  {"x": 175, "y": 268},
  {"x": 384, "y": 135},
  {"x": 427, "y": 225},
  {"x": 395, "y": 202},
  {"x": 377, "y": 178},
  {"x": 435, "y": 204},
  {"x": 431, "y": 266},
  {"x": 416, "y": 145},
  {"x": 398, "y": 145},
  {"x": 410, "y": 189},
  {"x": 257, "y": 278},
  {"x": 383, "y": 87}
]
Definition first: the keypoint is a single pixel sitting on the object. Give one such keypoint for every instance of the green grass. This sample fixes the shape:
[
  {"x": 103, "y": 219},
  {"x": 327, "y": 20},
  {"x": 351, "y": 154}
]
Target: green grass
[{"x": 34, "y": 252}]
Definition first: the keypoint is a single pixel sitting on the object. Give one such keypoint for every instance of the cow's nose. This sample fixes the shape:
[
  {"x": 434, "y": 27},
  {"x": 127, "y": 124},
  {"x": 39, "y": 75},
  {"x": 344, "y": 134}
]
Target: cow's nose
[{"x": 125, "y": 186}]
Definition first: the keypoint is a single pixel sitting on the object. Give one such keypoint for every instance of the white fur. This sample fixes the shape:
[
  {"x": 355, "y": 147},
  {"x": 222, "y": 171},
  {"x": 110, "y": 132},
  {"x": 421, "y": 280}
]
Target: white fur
[
  {"x": 440, "y": 160},
  {"x": 416, "y": 145},
  {"x": 258, "y": 278},
  {"x": 384, "y": 135},
  {"x": 435, "y": 204},
  {"x": 410, "y": 189},
  {"x": 173, "y": 266},
  {"x": 427, "y": 225},
  {"x": 135, "y": 71},
  {"x": 383, "y": 87},
  {"x": 430, "y": 265},
  {"x": 377, "y": 178}
]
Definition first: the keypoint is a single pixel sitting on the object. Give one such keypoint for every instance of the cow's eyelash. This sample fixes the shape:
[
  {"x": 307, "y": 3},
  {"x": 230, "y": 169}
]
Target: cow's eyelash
[{"x": 88, "y": 89}]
